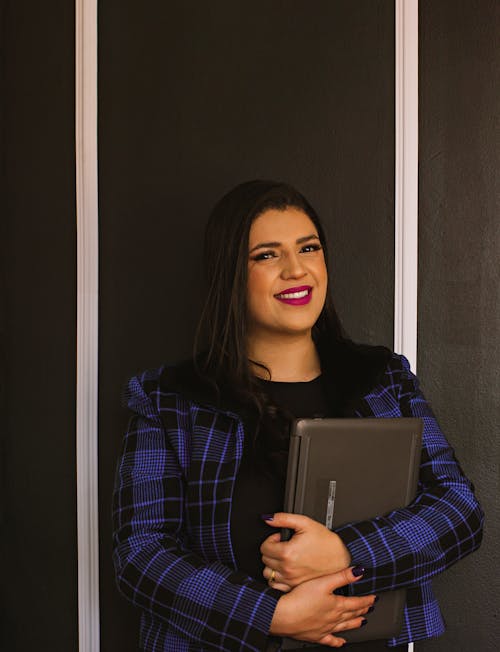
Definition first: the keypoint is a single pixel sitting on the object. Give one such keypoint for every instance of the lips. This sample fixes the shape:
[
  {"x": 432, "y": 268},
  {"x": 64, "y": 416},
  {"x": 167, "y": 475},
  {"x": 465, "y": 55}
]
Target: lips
[{"x": 296, "y": 296}]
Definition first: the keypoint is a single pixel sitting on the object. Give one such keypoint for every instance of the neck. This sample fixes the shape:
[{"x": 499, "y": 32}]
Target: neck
[{"x": 292, "y": 358}]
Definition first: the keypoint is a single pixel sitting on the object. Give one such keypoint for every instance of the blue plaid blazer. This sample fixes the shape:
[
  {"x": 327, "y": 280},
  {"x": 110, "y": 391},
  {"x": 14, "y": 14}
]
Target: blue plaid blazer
[{"x": 171, "y": 508}]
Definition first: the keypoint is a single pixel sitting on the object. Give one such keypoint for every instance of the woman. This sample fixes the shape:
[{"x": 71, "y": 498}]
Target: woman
[{"x": 205, "y": 455}]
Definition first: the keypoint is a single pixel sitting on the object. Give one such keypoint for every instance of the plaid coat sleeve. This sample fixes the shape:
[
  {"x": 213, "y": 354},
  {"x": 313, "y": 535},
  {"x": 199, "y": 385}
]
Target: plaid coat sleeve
[
  {"x": 444, "y": 522},
  {"x": 201, "y": 602}
]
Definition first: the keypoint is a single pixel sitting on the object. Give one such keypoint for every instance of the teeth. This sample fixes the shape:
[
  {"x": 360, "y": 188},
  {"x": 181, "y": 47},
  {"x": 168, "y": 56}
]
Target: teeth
[{"x": 294, "y": 295}]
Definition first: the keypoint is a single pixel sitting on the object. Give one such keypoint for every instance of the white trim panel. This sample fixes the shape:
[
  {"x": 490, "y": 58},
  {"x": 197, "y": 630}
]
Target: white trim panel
[
  {"x": 406, "y": 181},
  {"x": 87, "y": 322}
]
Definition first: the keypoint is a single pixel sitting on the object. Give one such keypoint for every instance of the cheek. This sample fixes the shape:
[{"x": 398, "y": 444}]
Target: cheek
[
  {"x": 322, "y": 276},
  {"x": 258, "y": 283},
  {"x": 325, "y": 278},
  {"x": 321, "y": 272}
]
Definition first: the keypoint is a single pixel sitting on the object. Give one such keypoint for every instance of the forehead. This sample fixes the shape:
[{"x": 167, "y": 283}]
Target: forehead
[{"x": 285, "y": 225}]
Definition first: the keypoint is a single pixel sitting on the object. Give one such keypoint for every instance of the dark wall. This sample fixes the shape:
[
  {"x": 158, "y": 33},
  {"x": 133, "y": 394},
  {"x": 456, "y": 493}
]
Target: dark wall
[
  {"x": 459, "y": 317},
  {"x": 37, "y": 338},
  {"x": 195, "y": 97}
]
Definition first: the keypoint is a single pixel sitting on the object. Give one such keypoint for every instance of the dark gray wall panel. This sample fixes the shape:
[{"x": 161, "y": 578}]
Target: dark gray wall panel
[
  {"x": 38, "y": 328},
  {"x": 194, "y": 98},
  {"x": 459, "y": 316}
]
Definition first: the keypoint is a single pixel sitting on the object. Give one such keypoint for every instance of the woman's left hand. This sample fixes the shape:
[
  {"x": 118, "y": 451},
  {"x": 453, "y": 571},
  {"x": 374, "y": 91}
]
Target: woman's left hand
[{"x": 312, "y": 552}]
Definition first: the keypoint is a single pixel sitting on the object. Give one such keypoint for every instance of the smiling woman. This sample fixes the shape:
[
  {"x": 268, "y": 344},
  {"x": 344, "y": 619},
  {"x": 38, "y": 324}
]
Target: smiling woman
[
  {"x": 287, "y": 279},
  {"x": 200, "y": 483}
]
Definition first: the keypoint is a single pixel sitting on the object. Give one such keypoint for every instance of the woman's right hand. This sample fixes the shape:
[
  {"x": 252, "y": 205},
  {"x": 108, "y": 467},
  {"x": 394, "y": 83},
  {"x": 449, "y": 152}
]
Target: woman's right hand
[{"x": 311, "y": 612}]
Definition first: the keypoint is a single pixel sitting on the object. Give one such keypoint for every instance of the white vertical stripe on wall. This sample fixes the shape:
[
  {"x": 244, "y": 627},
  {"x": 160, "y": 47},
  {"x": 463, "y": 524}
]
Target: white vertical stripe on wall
[
  {"x": 406, "y": 183},
  {"x": 87, "y": 322}
]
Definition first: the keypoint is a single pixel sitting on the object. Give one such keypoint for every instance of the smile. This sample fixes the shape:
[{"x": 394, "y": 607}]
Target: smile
[{"x": 298, "y": 296}]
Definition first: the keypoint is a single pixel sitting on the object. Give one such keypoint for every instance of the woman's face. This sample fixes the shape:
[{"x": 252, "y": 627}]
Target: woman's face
[{"x": 287, "y": 276}]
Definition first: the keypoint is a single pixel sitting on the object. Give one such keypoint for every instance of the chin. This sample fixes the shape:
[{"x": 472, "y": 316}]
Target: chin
[
  {"x": 299, "y": 324},
  {"x": 295, "y": 328}
]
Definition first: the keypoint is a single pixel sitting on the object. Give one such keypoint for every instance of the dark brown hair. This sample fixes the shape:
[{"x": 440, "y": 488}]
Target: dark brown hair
[{"x": 222, "y": 329}]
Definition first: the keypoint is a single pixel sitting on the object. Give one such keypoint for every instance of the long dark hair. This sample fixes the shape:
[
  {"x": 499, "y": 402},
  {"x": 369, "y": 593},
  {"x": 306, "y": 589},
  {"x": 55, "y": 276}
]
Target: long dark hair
[{"x": 220, "y": 343}]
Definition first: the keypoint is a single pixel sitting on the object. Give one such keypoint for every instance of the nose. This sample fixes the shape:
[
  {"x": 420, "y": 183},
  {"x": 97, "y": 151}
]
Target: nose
[{"x": 293, "y": 267}]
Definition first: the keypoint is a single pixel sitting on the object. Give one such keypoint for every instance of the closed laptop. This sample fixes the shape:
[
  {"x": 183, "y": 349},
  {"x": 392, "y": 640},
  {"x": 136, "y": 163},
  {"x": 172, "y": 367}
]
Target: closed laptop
[{"x": 346, "y": 470}]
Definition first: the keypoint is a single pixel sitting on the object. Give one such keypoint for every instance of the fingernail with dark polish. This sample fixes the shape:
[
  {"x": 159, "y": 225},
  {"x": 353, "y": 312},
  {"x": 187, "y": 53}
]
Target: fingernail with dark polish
[
  {"x": 357, "y": 571},
  {"x": 267, "y": 517},
  {"x": 364, "y": 622},
  {"x": 371, "y": 610}
]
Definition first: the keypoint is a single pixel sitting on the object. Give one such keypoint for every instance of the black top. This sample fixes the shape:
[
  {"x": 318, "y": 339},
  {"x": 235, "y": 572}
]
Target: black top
[{"x": 257, "y": 492}]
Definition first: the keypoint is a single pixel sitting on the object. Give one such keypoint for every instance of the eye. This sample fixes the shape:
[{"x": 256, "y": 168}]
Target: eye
[
  {"x": 264, "y": 255},
  {"x": 308, "y": 248}
]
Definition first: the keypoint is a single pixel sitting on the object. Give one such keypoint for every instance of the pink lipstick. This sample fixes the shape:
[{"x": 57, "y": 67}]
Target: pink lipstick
[{"x": 297, "y": 296}]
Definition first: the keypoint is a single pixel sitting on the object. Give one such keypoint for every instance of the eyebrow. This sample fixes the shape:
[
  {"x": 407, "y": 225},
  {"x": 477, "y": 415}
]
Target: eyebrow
[{"x": 267, "y": 245}]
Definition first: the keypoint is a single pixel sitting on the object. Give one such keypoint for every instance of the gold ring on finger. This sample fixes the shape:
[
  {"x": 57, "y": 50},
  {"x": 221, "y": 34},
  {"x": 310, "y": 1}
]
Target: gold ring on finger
[{"x": 272, "y": 576}]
